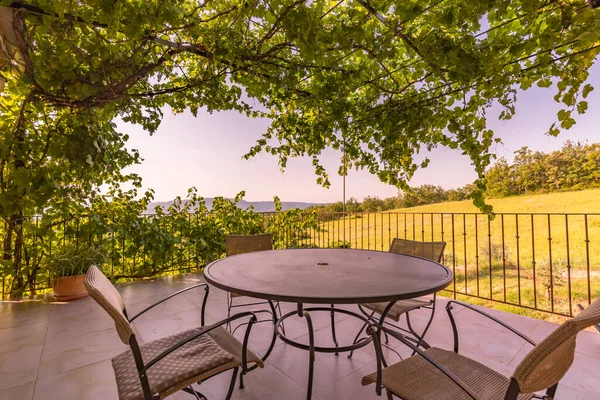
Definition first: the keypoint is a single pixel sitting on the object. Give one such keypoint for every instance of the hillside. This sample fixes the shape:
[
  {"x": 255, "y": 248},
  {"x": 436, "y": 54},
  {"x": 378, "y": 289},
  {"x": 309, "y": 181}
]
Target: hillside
[
  {"x": 259, "y": 206},
  {"x": 584, "y": 201},
  {"x": 524, "y": 256}
]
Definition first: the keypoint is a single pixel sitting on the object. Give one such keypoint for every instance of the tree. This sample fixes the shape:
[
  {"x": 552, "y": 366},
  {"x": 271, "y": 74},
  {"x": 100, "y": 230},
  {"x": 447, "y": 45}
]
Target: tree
[
  {"x": 393, "y": 76},
  {"x": 424, "y": 194},
  {"x": 574, "y": 166},
  {"x": 372, "y": 204}
]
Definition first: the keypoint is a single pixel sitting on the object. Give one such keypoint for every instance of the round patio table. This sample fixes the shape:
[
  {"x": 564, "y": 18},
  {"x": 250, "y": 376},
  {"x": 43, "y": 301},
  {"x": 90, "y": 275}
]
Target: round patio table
[{"x": 326, "y": 276}]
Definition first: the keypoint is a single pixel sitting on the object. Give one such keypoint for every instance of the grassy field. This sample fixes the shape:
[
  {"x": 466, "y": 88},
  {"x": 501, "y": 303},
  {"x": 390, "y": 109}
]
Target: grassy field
[{"x": 537, "y": 252}]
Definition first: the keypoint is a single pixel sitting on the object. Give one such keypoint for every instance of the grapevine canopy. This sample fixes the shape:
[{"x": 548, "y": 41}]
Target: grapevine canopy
[{"x": 382, "y": 79}]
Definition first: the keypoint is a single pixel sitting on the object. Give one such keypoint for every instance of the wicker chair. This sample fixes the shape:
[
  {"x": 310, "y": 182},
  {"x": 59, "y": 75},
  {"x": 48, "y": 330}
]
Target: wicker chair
[
  {"x": 238, "y": 244},
  {"x": 432, "y": 251},
  {"x": 162, "y": 367},
  {"x": 446, "y": 375},
  {"x": 596, "y": 326}
]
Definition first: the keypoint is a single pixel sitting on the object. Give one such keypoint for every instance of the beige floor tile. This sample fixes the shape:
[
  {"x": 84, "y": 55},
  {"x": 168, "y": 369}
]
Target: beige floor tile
[
  {"x": 171, "y": 306},
  {"x": 92, "y": 382},
  {"x": 19, "y": 367},
  {"x": 584, "y": 375},
  {"x": 155, "y": 328},
  {"x": 262, "y": 384},
  {"x": 74, "y": 342},
  {"x": 79, "y": 318},
  {"x": 13, "y": 314},
  {"x": 144, "y": 291},
  {"x": 523, "y": 324},
  {"x": 21, "y": 392},
  {"x": 566, "y": 393},
  {"x": 21, "y": 337},
  {"x": 71, "y": 353},
  {"x": 588, "y": 343},
  {"x": 351, "y": 388},
  {"x": 329, "y": 368}
]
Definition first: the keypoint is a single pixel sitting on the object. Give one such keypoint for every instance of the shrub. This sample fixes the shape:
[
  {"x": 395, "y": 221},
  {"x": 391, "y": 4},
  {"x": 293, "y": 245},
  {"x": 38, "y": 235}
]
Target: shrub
[
  {"x": 497, "y": 252},
  {"x": 340, "y": 244}
]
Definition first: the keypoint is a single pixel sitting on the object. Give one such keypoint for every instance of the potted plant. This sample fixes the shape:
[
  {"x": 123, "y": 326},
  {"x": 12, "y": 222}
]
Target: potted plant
[{"x": 67, "y": 268}]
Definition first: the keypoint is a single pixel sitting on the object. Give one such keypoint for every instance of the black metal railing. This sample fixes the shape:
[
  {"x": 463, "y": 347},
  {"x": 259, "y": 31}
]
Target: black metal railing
[{"x": 539, "y": 261}]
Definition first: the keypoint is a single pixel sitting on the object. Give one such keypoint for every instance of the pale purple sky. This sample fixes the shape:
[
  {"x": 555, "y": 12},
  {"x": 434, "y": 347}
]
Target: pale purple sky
[{"x": 206, "y": 152}]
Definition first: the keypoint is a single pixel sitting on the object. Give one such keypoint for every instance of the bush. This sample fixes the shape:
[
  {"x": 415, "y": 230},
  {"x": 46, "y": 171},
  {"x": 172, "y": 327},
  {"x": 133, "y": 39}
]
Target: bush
[
  {"x": 497, "y": 253},
  {"x": 542, "y": 268},
  {"x": 340, "y": 244}
]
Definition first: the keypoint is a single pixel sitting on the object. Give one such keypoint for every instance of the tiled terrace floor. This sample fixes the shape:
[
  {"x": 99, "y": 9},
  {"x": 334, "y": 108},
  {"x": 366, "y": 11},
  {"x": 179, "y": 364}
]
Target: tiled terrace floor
[{"x": 63, "y": 350}]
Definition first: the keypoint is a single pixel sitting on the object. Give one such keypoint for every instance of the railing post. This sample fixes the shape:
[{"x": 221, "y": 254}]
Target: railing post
[
  {"x": 551, "y": 273},
  {"x": 533, "y": 262},
  {"x": 568, "y": 264},
  {"x": 518, "y": 257},
  {"x": 477, "y": 249},
  {"x": 587, "y": 259},
  {"x": 503, "y": 257}
]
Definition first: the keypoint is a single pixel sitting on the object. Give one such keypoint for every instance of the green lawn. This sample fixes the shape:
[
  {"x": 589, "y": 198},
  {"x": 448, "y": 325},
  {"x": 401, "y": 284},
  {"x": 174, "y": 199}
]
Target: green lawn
[{"x": 508, "y": 259}]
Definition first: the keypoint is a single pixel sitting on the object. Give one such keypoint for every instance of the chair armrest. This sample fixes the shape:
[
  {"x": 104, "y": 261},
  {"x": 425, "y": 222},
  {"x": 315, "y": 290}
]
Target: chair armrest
[
  {"x": 206, "y": 290},
  {"x": 373, "y": 331},
  {"x": 597, "y": 326},
  {"x": 204, "y": 331},
  {"x": 470, "y": 307}
]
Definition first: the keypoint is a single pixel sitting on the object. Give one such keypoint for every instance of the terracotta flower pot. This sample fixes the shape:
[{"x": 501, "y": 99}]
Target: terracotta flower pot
[{"x": 67, "y": 288}]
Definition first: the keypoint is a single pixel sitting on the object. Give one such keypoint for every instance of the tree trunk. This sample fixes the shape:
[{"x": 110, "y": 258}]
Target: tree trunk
[{"x": 14, "y": 252}]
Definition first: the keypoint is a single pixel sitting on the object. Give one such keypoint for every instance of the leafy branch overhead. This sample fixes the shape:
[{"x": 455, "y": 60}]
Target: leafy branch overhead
[{"x": 382, "y": 79}]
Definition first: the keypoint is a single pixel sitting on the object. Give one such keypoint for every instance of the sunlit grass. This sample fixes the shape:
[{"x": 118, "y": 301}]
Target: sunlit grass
[{"x": 519, "y": 246}]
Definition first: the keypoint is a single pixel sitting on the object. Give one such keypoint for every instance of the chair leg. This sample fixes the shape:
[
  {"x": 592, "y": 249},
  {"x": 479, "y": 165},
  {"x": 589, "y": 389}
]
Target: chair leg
[
  {"x": 232, "y": 384},
  {"x": 197, "y": 395},
  {"x": 333, "y": 328},
  {"x": 356, "y": 340},
  {"x": 551, "y": 392},
  {"x": 229, "y": 304},
  {"x": 278, "y": 308},
  {"x": 389, "y": 395},
  {"x": 421, "y": 338}
]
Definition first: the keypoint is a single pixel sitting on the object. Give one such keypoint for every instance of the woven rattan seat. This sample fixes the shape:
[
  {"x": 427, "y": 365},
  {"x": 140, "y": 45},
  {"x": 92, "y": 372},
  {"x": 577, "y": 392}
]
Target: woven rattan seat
[
  {"x": 430, "y": 250},
  {"x": 240, "y": 244},
  {"x": 198, "y": 360},
  {"x": 168, "y": 365},
  {"x": 433, "y": 251},
  {"x": 397, "y": 309},
  {"x": 440, "y": 374},
  {"x": 416, "y": 379}
]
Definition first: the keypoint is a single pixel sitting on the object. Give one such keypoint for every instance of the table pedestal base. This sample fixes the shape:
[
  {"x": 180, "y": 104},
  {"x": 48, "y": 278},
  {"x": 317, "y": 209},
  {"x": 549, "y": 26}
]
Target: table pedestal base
[{"x": 311, "y": 348}]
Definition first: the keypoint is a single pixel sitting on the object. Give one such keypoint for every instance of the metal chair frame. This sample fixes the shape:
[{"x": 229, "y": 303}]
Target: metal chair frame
[
  {"x": 513, "y": 390},
  {"x": 597, "y": 326},
  {"x": 142, "y": 367},
  {"x": 419, "y": 338},
  {"x": 230, "y": 304}
]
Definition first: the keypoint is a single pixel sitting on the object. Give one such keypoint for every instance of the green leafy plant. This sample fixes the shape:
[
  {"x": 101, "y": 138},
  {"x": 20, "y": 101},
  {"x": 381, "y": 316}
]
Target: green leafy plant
[
  {"x": 381, "y": 80},
  {"x": 340, "y": 244},
  {"x": 292, "y": 228},
  {"x": 73, "y": 260}
]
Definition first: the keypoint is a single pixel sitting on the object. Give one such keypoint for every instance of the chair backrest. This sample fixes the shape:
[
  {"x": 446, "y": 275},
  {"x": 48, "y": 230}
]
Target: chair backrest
[
  {"x": 550, "y": 360},
  {"x": 105, "y": 294},
  {"x": 238, "y": 244},
  {"x": 431, "y": 250}
]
